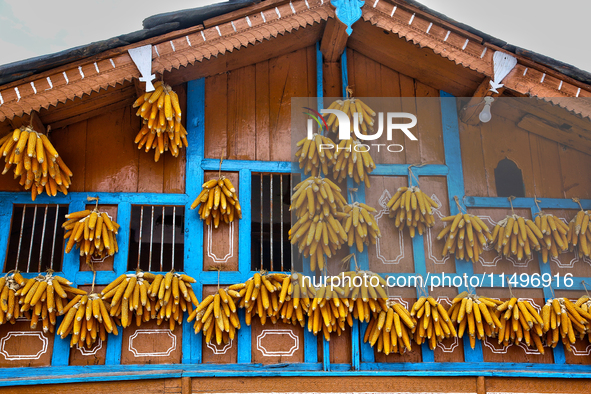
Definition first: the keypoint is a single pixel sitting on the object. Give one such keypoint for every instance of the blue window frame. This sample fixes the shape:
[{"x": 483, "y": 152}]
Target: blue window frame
[{"x": 363, "y": 362}]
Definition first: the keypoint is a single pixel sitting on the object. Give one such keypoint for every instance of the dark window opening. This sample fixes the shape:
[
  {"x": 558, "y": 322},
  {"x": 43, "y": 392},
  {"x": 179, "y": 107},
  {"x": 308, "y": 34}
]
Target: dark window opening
[
  {"x": 509, "y": 179},
  {"x": 270, "y": 222},
  {"x": 156, "y": 238},
  {"x": 36, "y": 241}
]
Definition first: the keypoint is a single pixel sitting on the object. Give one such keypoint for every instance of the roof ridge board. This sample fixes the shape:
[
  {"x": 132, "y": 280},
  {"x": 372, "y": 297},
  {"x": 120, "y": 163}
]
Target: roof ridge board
[
  {"x": 31, "y": 65},
  {"x": 440, "y": 21},
  {"x": 527, "y": 62},
  {"x": 188, "y": 17},
  {"x": 571, "y": 71},
  {"x": 242, "y": 12}
]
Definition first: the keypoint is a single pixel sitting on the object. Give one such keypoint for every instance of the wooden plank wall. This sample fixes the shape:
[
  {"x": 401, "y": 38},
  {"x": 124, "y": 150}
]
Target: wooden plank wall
[
  {"x": 549, "y": 169},
  {"x": 186, "y": 385},
  {"x": 248, "y": 110},
  {"x": 103, "y": 157}
]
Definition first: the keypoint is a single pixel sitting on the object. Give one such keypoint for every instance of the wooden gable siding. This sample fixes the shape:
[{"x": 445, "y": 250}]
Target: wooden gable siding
[
  {"x": 248, "y": 110},
  {"x": 550, "y": 169},
  {"x": 103, "y": 157}
]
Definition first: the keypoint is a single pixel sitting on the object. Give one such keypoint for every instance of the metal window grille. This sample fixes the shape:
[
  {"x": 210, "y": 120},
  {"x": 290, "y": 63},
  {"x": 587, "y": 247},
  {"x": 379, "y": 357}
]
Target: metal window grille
[
  {"x": 271, "y": 221},
  {"x": 36, "y": 239},
  {"x": 156, "y": 240}
]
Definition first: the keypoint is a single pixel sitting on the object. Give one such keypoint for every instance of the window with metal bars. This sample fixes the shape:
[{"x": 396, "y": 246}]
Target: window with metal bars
[
  {"x": 156, "y": 238},
  {"x": 271, "y": 221},
  {"x": 36, "y": 239}
]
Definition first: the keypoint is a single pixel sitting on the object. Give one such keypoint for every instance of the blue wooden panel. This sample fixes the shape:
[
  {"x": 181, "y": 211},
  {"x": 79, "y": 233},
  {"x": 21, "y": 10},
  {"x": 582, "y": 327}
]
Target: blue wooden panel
[
  {"x": 105, "y": 198},
  {"x": 344, "y": 72},
  {"x": 71, "y": 261},
  {"x": 319, "y": 78},
  {"x": 192, "y": 344},
  {"x": 252, "y": 165},
  {"x": 402, "y": 170},
  {"x": 124, "y": 220},
  {"x": 114, "y": 344},
  {"x": 523, "y": 202},
  {"x": 455, "y": 187},
  {"x": 244, "y": 343},
  {"x": 61, "y": 347},
  {"x": 244, "y": 233},
  {"x": 5, "y": 219}
]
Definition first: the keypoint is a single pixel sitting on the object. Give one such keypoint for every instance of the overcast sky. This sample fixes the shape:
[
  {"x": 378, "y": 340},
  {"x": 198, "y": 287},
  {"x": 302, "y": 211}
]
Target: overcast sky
[{"x": 31, "y": 28}]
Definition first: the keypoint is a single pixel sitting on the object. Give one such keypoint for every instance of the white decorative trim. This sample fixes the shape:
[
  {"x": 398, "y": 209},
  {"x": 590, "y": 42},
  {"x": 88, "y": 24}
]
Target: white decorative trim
[
  {"x": 454, "y": 345},
  {"x": 16, "y": 334},
  {"x": 292, "y": 9},
  {"x": 376, "y": 3},
  {"x": 400, "y": 300},
  {"x": 393, "y": 11},
  {"x": 203, "y": 35},
  {"x": 483, "y": 52},
  {"x": 264, "y": 19},
  {"x": 578, "y": 92},
  {"x": 383, "y": 201},
  {"x": 465, "y": 44},
  {"x": 112, "y": 63},
  {"x": 278, "y": 13},
  {"x": 214, "y": 348},
  {"x": 18, "y": 94},
  {"x": 91, "y": 352},
  {"x": 289, "y": 352},
  {"x": 447, "y": 35},
  {"x": 80, "y": 71},
  {"x": 167, "y": 332},
  {"x": 172, "y": 46},
  {"x": 188, "y": 41},
  {"x": 156, "y": 49},
  {"x": 412, "y": 18},
  {"x": 96, "y": 67},
  {"x": 307, "y": 5},
  {"x": 560, "y": 86},
  {"x": 34, "y": 88},
  {"x": 429, "y": 28},
  {"x": 249, "y": 22},
  {"x": 1, "y": 99},
  {"x": 50, "y": 83},
  {"x": 543, "y": 77},
  {"x": 230, "y": 254},
  {"x": 218, "y": 29},
  {"x": 233, "y": 26},
  {"x": 525, "y": 71}
]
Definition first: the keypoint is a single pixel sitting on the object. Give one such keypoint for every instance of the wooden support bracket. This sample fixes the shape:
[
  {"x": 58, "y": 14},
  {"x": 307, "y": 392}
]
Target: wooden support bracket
[
  {"x": 469, "y": 113},
  {"x": 334, "y": 40}
]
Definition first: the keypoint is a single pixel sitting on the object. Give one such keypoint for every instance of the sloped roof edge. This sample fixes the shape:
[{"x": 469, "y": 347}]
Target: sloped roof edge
[{"x": 153, "y": 26}]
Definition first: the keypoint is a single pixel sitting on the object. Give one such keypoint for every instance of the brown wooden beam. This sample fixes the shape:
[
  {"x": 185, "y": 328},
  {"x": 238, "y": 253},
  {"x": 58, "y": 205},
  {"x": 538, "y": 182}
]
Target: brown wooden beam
[
  {"x": 565, "y": 134},
  {"x": 332, "y": 79},
  {"x": 470, "y": 111},
  {"x": 334, "y": 40},
  {"x": 90, "y": 106},
  {"x": 421, "y": 64},
  {"x": 261, "y": 51}
]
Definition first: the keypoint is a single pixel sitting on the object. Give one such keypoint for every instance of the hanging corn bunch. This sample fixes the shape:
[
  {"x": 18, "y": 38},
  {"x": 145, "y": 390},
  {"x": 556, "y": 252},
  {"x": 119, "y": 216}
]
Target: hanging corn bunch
[
  {"x": 87, "y": 320},
  {"x": 162, "y": 129},
  {"x": 578, "y": 231},
  {"x": 314, "y": 156},
  {"x": 36, "y": 161},
  {"x": 217, "y": 314},
  {"x": 391, "y": 329},
  {"x": 169, "y": 296},
  {"x": 566, "y": 321},
  {"x": 317, "y": 232},
  {"x": 466, "y": 235},
  {"x": 476, "y": 314},
  {"x": 359, "y": 225},
  {"x": 353, "y": 160},
  {"x": 411, "y": 208},
  {"x": 552, "y": 237},
  {"x": 9, "y": 300},
  {"x": 516, "y": 236},
  {"x": 128, "y": 295},
  {"x": 45, "y": 297},
  {"x": 93, "y": 232},
  {"x": 218, "y": 202},
  {"x": 359, "y": 113},
  {"x": 434, "y": 324},
  {"x": 520, "y": 321}
]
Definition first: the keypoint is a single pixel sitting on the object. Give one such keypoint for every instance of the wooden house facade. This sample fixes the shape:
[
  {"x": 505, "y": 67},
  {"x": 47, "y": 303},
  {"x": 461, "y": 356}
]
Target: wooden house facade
[{"x": 236, "y": 74}]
